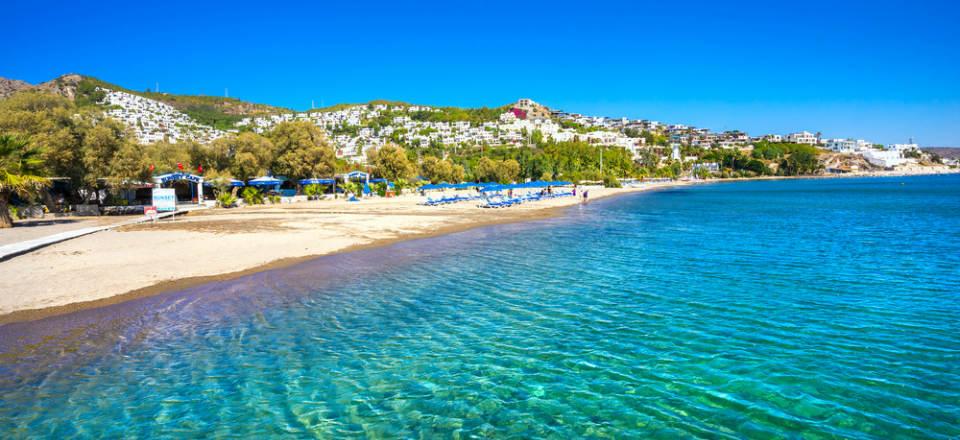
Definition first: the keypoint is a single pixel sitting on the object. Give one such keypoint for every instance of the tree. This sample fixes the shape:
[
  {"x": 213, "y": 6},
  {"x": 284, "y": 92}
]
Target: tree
[
  {"x": 20, "y": 167},
  {"x": 391, "y": 163},
  {"x": 251, "y": 153},
  {"x": 436, "y": 170},
  {"x": 485, "y": 170},
  {"x": 100, "y": 147},
  {"x": 128, "y": 166},
  {"x": 53, "y": 125},
  {"x": 507, "y": 171},
  {"x": 457, "y": 173},
  {"x": 302, "y": 151}
]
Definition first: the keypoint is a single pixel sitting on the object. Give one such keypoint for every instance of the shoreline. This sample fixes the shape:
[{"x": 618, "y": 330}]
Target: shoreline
[
  {"x": 487, "y": 217},
  {"x": 467, "y": 218}
]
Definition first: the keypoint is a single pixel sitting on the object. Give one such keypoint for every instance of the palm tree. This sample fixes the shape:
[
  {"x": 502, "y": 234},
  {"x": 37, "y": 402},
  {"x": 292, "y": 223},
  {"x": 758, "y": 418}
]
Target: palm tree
[{"x": 19, "y": 168}]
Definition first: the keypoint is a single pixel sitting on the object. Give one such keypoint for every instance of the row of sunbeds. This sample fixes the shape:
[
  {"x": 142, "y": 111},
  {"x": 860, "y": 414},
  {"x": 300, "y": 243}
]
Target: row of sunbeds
[
  {"x": 499, "y": 201},
  {"x": 448, "y": 200}
]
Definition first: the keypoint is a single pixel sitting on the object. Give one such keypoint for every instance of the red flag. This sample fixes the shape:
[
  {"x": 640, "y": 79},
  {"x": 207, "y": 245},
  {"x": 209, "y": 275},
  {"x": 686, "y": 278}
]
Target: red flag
[
  {"x": 199, "y": 169},
  {"x": 151, "y": 168},
  {"x": 180, "y": 166}
]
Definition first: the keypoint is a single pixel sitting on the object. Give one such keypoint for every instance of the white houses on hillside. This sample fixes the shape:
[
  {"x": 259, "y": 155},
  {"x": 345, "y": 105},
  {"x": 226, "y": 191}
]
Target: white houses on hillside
[{"x": 848, "y": 145}]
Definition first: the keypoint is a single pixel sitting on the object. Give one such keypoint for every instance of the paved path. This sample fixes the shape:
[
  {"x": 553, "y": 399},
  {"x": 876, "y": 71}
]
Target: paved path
[{"x": 14, "y": 249}]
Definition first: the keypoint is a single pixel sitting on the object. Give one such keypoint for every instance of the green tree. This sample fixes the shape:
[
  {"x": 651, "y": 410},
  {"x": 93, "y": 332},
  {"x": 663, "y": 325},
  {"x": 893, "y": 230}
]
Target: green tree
[
  {"x": 436, "y": 170},
  {"x": 485, "y": 170},
  {"x": 100, "y": 147},
  {"x": 457, "y": 173},
  {"x": 128, "y": 166},
  {"x": 20, "y": 168},
  {"x": 507, "y": 171},
  {"x": 391, "y": 163},
  {"x": 251, "y": 153},
  {"x": 302, "y": 151}
]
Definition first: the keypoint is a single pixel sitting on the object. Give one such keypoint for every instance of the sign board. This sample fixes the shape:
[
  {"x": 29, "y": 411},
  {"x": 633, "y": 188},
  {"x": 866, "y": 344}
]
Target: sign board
[{"x": 164, "y": 199}]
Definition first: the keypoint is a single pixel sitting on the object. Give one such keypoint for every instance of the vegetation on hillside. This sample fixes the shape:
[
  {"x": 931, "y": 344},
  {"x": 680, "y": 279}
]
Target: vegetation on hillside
[{"x": 76, "y": 142}]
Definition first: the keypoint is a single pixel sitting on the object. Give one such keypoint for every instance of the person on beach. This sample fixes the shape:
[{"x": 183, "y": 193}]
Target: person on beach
[{"x": 585, "y": 194}]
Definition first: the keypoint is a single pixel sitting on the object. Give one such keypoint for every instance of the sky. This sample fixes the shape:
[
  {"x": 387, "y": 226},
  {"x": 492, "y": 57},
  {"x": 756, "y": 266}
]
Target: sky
[{"x": 885, "y": 71}]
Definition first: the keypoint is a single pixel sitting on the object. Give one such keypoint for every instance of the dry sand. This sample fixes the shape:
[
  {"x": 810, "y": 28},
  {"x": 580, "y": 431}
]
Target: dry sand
[{"x": 146, "y": 259}]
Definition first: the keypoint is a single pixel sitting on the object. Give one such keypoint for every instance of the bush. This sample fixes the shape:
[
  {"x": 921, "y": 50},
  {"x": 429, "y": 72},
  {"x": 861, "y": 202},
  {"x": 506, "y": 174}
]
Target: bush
[
  {"x": 274, "y": 198},
  {"x": 314, "y": 191},
  {"x": 226, "y": 200},
  {"x": 252, "y": 196},
  {"x": 610, "y": 182},
  {"x": 380, "y": 189}
]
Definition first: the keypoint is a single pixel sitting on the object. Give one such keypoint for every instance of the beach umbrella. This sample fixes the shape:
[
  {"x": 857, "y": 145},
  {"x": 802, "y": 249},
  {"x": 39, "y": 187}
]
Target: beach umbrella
[
  {"x": 315, "y": 181},
  {"x": 264, "y": 181}
]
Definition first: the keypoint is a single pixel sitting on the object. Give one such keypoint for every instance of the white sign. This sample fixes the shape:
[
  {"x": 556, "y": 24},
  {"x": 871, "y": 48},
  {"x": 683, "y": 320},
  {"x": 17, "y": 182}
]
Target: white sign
[{"x": 165, "y": 199}]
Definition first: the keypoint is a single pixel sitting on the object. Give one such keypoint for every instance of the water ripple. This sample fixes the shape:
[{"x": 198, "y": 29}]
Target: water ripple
[{"x": 821, "y": 309}]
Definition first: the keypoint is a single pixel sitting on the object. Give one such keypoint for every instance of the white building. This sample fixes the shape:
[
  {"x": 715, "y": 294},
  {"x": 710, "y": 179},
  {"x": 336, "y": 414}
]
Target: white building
[
  {"x": 773, "y": 138},
  {"x": 848, "y": 145},
  {"x": 883, "y": 158},
  {"x": 902, "y": 147},
  {"x": 803, "y": 137}
]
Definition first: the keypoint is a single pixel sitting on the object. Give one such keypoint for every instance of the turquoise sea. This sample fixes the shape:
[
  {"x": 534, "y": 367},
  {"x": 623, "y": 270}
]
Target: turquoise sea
[{"x": 776, "y": 309}]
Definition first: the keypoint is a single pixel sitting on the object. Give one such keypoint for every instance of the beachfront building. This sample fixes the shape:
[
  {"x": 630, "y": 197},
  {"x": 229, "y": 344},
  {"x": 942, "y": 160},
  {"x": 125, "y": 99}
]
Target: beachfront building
[
  {"x": 884, "y": 158},
  {"x": 802, "y": 137}
]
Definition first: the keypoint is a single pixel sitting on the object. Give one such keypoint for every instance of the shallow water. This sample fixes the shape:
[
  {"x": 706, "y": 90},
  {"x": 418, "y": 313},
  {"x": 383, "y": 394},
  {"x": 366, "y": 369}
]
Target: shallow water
[{"x": 804, "y": 308}]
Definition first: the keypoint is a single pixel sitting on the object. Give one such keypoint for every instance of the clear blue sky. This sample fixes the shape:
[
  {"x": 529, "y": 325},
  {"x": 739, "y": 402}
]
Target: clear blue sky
[{"x": 881, "y": 70}]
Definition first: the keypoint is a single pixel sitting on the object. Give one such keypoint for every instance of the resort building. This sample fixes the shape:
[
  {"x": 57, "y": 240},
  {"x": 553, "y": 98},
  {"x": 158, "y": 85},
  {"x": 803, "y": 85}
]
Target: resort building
[
  {"x": 848, "y": 145},
  {"x": 884, "y": 158},
  {"x": 803, "y": 137},
  {"x": 902, "y": 147}
]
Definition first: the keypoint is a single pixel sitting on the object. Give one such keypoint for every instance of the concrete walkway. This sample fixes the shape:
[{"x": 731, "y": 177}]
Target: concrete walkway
[{"x": 9, "y": 251}]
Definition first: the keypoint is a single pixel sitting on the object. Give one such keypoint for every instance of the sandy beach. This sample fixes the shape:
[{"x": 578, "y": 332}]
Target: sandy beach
[
  {"x": 146, "y": 259},
  {"x": 215, "y": 244}
]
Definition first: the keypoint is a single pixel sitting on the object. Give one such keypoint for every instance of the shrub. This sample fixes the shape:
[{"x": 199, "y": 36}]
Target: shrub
[
  {"x": 380, "y": 189},
  {"x": 274, "y": 198},
  {"x": 252, "y": 196},
  {"x": 226, "y": 200},
  {"x": 610, "y": 181},
  {"x": 314, "y": 191}
]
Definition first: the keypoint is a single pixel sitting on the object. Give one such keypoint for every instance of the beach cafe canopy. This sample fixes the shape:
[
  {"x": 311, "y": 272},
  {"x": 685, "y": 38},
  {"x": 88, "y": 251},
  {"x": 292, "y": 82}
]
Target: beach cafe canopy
[
  {"x": 355, "y": 175},
  {"x": 445, "y": 185},
  {"x": 315, "y": 181},
  {"x": 525, "y": 185},
  {"x": 232, "y": 182},
  {"x": 192, "y": 178},
  {"x": 170, "y": 177},
  {"x": 264, "y": 181}
]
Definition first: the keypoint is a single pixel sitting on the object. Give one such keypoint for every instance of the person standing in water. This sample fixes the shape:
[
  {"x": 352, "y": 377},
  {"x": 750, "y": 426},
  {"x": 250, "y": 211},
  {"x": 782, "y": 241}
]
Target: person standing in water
[{"x": 585, "y": 194}]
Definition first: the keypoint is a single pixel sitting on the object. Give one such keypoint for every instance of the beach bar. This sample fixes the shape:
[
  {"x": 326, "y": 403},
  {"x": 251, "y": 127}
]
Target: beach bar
[{"x": 194, "y": 184}]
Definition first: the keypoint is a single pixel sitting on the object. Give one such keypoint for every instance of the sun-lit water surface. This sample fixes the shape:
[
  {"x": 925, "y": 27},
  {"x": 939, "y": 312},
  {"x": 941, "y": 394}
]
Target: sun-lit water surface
[{"x": 810, "y": 308}]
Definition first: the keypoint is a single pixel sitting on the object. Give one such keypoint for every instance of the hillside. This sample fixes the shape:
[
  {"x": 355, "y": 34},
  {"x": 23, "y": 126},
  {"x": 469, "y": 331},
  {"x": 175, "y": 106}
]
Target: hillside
[
  {"x": 11, "y": 86},
  {"x": 217, "y": 112},
  {"x": 947, "y": 152}
]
